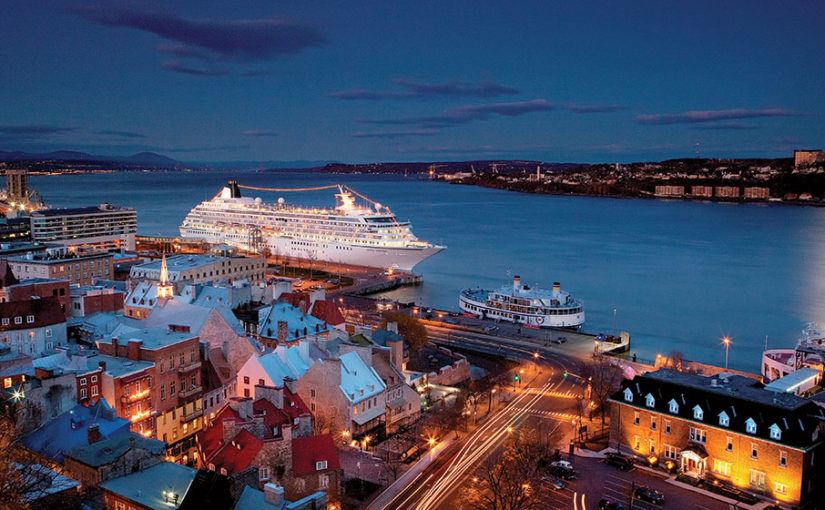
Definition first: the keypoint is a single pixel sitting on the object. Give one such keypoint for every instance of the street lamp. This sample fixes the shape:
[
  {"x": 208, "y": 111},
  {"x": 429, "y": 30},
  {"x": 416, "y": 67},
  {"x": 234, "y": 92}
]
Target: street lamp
[{"x": 726, "y": 341}]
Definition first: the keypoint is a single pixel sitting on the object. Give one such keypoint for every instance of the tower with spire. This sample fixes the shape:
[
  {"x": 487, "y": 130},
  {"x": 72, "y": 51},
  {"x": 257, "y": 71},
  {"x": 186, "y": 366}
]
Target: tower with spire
[{"x": 165, "y": 289}]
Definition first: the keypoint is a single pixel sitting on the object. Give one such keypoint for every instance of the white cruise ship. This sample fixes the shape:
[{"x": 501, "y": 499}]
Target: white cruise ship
[
  {"x": 349, "y": 233},
  {"x": 524, "y": 305}
]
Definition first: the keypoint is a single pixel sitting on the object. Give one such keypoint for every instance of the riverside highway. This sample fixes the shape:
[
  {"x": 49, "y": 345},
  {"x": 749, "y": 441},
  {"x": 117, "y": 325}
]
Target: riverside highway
[{"x": 543, "y": 402}]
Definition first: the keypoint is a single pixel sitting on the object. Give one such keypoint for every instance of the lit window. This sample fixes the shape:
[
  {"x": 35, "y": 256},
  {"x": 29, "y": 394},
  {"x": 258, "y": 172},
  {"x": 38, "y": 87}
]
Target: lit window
[
  {"x": 7, "y": 382},
  {"x": 781, "y": 488}
]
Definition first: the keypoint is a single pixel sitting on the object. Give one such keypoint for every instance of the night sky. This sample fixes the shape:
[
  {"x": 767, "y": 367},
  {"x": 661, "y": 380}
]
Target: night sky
[{"x": 358, "y": 81}]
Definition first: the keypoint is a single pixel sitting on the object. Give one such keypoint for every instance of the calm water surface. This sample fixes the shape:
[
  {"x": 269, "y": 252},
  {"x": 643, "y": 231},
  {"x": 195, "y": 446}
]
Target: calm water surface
[{"x": 680, "y": 275}]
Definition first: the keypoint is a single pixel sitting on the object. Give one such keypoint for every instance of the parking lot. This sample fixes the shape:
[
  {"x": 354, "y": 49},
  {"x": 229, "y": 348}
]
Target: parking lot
[{"x": 598, "y": 480}]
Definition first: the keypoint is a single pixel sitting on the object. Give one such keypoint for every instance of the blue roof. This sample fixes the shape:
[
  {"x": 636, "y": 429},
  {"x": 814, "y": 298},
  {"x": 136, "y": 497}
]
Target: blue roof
[
  {"x": 298, "y": 324},
  {"x": 292, "y": 362},
  {"x": 254, "y": 499},
  {"x": 382, "y": 336},
  {"x": 70, "y": 430},
  {"x": 356, "y": 377}
]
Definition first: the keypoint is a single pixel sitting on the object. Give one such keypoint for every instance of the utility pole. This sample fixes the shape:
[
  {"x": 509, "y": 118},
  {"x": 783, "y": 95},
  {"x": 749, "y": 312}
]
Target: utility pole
[{"x": 632, "y": 492}]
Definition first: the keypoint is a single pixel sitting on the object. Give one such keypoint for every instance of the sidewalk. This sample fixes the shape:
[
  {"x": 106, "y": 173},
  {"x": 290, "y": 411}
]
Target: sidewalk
[
  {"x": 390, "y": 492},
  {"x": 671, "y": 479}
]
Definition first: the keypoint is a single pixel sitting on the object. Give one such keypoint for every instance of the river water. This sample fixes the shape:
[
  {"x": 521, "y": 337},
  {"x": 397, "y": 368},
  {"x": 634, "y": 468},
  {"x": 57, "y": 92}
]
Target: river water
[{"x": 679, "y": 275}]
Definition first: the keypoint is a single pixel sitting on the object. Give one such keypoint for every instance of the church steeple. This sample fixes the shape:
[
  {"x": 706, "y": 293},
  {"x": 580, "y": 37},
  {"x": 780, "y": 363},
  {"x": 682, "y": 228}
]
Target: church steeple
[{"x": 165, "y": 289}]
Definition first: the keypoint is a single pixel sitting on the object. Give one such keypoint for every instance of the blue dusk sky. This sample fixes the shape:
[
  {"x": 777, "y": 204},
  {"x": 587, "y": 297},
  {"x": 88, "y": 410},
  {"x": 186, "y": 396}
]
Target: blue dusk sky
[{"x": 353, "y": 81}]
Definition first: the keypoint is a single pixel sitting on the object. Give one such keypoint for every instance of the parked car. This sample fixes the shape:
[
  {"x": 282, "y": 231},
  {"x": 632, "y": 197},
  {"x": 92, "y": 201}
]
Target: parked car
[
  {"x": 610, "y": 504},
  {"x": 554, "y": 483},
  {"x": 650, "y": 495},
  {"x": 490, "y": 329},
  {"x": 619, "y": 460},
  {"x": 563, "y": 472},
  {"x": 560, "y": 340},
  {"x": 562, "y": 463}
]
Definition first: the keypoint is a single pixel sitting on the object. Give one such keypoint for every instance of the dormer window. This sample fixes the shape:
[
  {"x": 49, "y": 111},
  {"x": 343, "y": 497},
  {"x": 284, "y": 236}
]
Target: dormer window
[
  {"x": 724, "y": 420},
  {"x": 698, "y": 414},
  {"x": 750, "y": 426},
  {"x": 320, "y": 465},
  {"x": 628, "y": 395},
  {"x": 776, "y": 432},
  {"x": 649, "y": 400},
  {"x": 674, "y": 406}
]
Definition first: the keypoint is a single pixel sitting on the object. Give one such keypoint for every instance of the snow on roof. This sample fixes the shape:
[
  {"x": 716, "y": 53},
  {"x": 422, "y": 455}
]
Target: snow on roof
[
  {"x": 292, "y": 362},
  {"x": 298, "y": 324},
  {"x": 358, "y": 381},
  {"x": 154, "y": 487},
  {"x": 792, "y": 381},
  {"x": 70, "y": 429}
]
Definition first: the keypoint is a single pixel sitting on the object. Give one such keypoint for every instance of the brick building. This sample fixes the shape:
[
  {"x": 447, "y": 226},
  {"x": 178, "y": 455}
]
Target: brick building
[
  {"x": 724, "y": 428},
  {"x": 106, "y": 458},
  {"x": 81, "y": 268},
  {"x": 91, "y": 299},
  {"x": 170, "y": 398}
]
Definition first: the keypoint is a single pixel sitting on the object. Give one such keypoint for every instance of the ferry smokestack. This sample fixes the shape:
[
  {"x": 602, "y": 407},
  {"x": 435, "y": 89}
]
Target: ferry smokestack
[
  {"x": 556, "y": 290},
  {"x": 516, "y": 283}
]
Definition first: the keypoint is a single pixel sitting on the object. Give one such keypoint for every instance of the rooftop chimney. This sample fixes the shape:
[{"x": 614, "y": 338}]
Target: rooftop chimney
[
  {"x": 102, "y": 365},
  {"x": 133, "y": 352},
  {"x": 93, "y": 433},
  {"x": 283, "y": 331},
  {"x": 274, "y": 494}
]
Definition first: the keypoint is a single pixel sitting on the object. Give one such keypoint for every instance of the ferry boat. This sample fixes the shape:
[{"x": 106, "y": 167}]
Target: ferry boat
[
  {"x": 524, "y": 305},
  {"x": 348, "y": 233}
]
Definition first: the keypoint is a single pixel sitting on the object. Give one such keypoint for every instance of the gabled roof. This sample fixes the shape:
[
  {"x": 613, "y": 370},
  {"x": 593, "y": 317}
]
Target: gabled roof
[
  {"x": 357, "y": 377},
  {"x": 283, "y": 361},
  {"x": 327, "y": 311},
  {"x": 237, "y": 454},
  {"x": 7, "y": 277},
  {"x": 740, "y": 397},
  {"x": 308, "y": 450},
  {"x": 108, "y": 450},
  {"x": 299, "y": 324},
  {"x": 70, "y": 429}
]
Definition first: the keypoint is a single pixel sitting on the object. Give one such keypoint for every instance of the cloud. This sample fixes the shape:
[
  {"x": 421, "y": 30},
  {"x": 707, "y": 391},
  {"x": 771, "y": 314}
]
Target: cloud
[
  {"x": 469, "y": 113},
  {"x": 396, "y": 134},
  {"x": 179, "y": 67},
  {"x": 733, "y": 126},
  {"x": 33, "y": 130},
  {"x": 365, "y": 94},
  {"x": 699, "y": 116},
  {"x": 593, "y": 108},
  {"x": 242, "y": 40},
  {"x": 121, "y": 134},
  {"x": 258, "y": 133},
  {"x": 416, "y": 90}
]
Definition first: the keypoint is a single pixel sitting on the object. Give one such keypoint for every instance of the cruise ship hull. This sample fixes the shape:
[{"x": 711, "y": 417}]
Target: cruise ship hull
[{"x": 400, "y": 259}]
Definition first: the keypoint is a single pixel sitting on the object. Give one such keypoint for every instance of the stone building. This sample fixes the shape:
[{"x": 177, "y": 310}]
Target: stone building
[
  {"x": 104, "y": 459},
  {"x": 725, "y": 428}
]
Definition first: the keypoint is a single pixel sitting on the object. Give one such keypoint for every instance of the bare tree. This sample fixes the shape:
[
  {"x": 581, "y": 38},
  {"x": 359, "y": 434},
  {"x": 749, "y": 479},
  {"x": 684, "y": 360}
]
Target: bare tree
[
  {"x": 604, "y": 379},
  {"x": 511, "y": 478},
  {"x": 23, "y": 479}
]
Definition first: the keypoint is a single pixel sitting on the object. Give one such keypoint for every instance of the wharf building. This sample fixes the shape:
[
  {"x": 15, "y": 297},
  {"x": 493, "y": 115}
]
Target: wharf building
[
  {"x": 78, "y": 267},
  {"x": 195, "y": 269},
  {"x": 726, "y": 429},
  {"x": 105, "y": 227}
]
